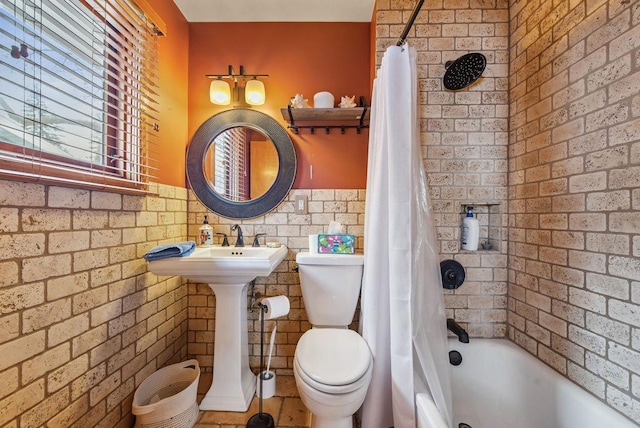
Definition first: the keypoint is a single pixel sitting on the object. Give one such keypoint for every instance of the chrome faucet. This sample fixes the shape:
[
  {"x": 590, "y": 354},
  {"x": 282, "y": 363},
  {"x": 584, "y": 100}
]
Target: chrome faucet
[{"x": 240, "y": 239}]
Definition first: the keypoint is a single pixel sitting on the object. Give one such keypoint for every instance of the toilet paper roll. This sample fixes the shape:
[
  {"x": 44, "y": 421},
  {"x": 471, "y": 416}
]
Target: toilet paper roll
[
  {"x": 268, "y": 384},
  {"x": 277, "y": 306}
]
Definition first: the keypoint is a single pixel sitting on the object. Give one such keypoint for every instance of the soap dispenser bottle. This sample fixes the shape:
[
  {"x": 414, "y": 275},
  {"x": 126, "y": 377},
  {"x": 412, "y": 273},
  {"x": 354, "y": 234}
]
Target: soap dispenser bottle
[
  {"x": 470, "y": 231},
  {"x": 206, "y": 233}
]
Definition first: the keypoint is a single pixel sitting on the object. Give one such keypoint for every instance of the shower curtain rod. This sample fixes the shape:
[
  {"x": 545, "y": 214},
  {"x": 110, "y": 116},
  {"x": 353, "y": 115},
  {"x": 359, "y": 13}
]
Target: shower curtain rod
[{"x": 412, "y": 18}]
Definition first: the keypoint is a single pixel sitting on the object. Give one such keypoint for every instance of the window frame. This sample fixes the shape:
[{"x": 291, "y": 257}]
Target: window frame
[{"x": 126, "y": 139}]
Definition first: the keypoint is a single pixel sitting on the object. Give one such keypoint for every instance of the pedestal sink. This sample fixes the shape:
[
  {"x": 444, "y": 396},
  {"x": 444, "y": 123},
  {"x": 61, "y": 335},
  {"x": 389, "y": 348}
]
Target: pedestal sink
[{"x": 228, "y": 271}]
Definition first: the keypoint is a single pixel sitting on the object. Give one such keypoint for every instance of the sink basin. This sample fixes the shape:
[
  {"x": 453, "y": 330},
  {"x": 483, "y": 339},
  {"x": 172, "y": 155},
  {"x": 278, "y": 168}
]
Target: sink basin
[
  {"x": 222, "y": 265},
  {"x": 228, "y": 271}
]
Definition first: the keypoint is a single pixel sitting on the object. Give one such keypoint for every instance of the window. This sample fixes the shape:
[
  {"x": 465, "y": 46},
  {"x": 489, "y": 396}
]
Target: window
[
  {"x": 230, "y": 164},
  {"x": 77, "y": 92}
]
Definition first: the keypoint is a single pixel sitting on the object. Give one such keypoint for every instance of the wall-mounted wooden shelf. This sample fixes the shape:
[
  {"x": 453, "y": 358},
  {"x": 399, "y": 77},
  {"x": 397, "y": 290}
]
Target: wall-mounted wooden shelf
[
  {"x": 325, "y": 114},
  {"x": 322, "y": 115}
]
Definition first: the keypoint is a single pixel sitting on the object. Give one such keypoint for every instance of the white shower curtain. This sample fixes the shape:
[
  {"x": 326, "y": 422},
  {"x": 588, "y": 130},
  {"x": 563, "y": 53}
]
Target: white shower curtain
[{"x": 402, "y": 310}]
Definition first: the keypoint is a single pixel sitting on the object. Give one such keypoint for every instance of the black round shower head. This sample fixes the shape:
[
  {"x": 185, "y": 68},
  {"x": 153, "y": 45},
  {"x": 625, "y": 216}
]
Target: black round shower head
[{"x": 464, "y": 71}]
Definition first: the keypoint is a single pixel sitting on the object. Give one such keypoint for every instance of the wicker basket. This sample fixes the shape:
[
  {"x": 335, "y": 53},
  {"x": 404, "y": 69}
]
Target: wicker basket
[{"x": 168, "y": 398}]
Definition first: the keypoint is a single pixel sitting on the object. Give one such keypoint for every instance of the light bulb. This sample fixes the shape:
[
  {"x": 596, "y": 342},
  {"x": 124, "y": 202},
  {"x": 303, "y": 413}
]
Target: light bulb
[
  {"x": 220, "y": 92},
  {"x": 254, "y": 92}
]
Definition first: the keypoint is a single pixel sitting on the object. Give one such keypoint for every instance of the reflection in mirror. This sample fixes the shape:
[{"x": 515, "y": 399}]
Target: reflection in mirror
[{"x": 241, "y": 164}]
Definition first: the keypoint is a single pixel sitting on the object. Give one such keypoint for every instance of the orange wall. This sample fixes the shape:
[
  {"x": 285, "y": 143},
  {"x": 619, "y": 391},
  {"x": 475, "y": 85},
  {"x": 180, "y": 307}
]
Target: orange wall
[
  {"x": 173, "y": 54},
  {"x": 300, "y": 58},
  {"x": 372, "y": 45}
]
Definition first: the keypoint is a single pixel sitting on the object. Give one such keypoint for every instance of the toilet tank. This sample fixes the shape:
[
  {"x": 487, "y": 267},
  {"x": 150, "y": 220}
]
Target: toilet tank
[{"x": 330, "y": 286}]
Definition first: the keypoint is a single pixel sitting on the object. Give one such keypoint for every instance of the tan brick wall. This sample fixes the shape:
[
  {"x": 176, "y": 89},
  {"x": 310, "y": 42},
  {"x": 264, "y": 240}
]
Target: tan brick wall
[
  {"x": 574, "y": 165},
  {"x": 464, "y": 138},
  {"x": 81, "y": 321},
  {"x": 281, "y": 225}
]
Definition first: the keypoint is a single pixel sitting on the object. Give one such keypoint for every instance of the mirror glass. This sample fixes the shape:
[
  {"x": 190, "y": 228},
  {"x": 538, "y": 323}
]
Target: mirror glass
[{"x": 241, "y": 163}]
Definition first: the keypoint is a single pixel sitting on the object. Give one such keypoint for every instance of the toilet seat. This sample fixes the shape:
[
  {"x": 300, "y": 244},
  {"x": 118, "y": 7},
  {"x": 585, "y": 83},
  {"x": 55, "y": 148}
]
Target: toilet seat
[{"x": 332, "y": 360}]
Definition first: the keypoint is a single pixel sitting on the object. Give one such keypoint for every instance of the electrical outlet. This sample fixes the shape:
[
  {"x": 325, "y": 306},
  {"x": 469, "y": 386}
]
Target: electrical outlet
[{"x": 300, "y": 204}]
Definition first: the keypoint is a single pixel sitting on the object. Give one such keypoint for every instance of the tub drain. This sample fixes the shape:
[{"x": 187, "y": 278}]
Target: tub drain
[
  {"x": 455, "y": 359},
  {"x": 463, "y": 425}
]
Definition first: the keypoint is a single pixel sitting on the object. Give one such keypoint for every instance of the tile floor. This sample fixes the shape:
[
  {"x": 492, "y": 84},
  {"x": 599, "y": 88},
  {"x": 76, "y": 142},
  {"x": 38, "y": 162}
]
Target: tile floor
[{"x": 285, "y": 407}]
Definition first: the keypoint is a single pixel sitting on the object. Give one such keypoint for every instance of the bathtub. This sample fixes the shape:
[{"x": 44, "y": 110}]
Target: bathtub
[{"x": 501, "y": 385}]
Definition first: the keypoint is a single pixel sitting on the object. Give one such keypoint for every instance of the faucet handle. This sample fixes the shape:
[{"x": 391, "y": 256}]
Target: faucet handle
[
  {"x": 225, "y": 241},
  {"x": 256, "y": 242}
]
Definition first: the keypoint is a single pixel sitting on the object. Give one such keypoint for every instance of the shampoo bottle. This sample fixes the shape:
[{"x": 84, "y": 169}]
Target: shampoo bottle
[
  {"x": 470, "y": 231},
  {"x": 206, "y": 233}
]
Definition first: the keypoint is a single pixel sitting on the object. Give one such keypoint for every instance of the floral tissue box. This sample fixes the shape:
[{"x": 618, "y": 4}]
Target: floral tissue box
[{"x": 336, "y": 244}]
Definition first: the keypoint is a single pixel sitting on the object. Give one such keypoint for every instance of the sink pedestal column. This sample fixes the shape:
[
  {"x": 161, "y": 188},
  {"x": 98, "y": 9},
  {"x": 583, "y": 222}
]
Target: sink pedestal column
[{"x": 234, "y": 384}]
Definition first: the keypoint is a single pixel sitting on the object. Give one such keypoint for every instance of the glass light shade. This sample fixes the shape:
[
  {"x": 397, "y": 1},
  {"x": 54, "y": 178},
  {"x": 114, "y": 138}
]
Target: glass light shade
[
  {"x": 254, "y": 92},
  {"x": 220, "y": 92}
]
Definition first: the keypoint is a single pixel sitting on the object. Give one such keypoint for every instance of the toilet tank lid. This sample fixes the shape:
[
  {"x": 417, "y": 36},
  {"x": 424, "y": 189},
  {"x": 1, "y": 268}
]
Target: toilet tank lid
[{"x": 306, "y": 258}]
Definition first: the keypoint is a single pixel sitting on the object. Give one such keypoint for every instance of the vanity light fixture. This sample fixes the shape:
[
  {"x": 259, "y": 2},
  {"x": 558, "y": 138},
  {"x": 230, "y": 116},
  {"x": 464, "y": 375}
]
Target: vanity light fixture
[
  {"x": 254, "y": 92},
  {"x": 220, "y": 92},
  {"x": 247, "y": 89}
]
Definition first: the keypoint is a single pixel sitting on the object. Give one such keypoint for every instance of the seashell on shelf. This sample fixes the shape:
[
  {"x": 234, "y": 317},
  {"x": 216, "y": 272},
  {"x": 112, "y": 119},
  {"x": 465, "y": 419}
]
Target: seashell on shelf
[
  {"x": 348, "y": 102},
  {"x": 299, "y": 101}
]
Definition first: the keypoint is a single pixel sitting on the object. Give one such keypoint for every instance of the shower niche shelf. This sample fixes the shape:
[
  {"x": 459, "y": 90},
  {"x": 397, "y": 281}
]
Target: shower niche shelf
[
  {"x": 490, "y": 218},
  {"x": 326, "y": 118}
]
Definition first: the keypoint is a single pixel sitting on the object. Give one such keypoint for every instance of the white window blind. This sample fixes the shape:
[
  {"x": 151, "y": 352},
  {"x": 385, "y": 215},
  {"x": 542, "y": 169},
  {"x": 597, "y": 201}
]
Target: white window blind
[
  {"x": 77, "y": 92},
  {"x": 231, "y": 164}
]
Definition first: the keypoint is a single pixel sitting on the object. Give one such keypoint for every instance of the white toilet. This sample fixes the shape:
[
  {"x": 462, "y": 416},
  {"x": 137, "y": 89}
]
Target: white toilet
[{"x": 332, "y": 364}]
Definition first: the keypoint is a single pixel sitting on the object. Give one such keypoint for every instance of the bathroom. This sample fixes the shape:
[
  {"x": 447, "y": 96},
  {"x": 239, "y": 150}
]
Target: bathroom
[{"x": 545, "y": 145}]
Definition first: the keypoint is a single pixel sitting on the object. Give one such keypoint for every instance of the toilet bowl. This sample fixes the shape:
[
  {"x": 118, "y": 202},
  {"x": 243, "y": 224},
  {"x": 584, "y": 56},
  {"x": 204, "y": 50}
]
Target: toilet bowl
[{"x": 332, "y": 368}]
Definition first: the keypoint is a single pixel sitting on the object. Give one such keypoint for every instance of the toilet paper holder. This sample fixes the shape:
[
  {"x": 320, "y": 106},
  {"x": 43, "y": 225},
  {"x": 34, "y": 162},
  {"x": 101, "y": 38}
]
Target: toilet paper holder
[{"x": 261, "y": 419}]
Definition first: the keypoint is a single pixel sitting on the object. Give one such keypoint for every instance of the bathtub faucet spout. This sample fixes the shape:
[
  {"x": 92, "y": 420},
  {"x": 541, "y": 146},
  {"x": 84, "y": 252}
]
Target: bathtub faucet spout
[{"x": 455, "y": 328}]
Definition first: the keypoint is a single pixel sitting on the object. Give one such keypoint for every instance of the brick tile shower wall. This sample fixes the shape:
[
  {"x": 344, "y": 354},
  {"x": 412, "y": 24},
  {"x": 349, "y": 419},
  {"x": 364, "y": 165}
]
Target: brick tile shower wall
[
  {"x": 82, "y": 323},
  {"x": 574, "y": 265},
  {"x": 285, "y": 226},
  {"x": 464, "y": 139}
]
